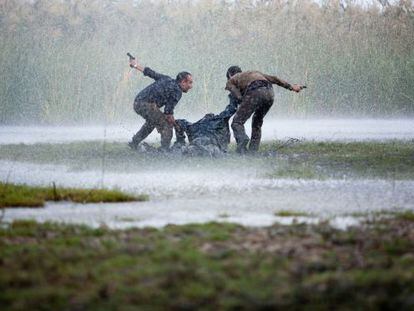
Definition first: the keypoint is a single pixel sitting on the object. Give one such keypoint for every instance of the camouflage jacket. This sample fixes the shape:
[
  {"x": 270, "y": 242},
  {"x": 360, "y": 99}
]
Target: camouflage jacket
[
  {"x": 239, "y": 83},
  {"x": 164, "y": 92}
]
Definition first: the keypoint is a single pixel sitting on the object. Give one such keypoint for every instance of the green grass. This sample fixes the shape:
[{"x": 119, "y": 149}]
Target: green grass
[
  {"x": 308, "y": 159},
  {"x": 21, "y": 195},
  {"x": 286, "y": 213},
  {"x": 118, "y": 157},
  {"x": 407, "y": 215},
  {"x": 210, "y": 266}
]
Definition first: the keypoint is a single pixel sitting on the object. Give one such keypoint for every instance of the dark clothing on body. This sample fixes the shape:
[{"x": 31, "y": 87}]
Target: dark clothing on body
[
  {"x": 231, "y": 108},
  {"x": 209, "y": 136},
  {"x": 154, "y": 118},
  {"x": 164, "y": 92}
]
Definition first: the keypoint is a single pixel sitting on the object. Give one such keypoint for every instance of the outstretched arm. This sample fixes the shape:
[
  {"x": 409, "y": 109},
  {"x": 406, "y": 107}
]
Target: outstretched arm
[
  {"x": 134, "y": 64},
  {"x": 145, "y": 70},
  {"x": 291, "y": 87},
  {"x": 231, "y": 108}
]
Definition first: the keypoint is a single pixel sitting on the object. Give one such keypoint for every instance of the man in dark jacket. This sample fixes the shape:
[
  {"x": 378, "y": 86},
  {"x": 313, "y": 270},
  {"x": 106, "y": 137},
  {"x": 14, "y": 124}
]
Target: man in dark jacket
[
  {"x": 255, "y": 91},
  {"x": 164, "y": 92}
]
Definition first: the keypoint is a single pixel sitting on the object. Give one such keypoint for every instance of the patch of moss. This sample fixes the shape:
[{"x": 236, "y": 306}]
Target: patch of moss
[{"x": 12, "y": 195}]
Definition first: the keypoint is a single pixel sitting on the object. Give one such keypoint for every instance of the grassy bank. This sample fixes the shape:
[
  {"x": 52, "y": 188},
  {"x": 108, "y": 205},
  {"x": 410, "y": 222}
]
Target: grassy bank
[
  {"x": 391, "y": 159},
  {"x": 211, "y": 266},
  {"x": 307, "y": 159},
  {"x": 21, "y": 195}
]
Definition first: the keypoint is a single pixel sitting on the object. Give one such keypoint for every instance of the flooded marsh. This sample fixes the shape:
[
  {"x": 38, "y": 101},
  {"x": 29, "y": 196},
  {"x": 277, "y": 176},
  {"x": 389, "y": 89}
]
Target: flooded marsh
[
  {"x": 327, "y": 179},
  {"x": 322, "y": 217}
]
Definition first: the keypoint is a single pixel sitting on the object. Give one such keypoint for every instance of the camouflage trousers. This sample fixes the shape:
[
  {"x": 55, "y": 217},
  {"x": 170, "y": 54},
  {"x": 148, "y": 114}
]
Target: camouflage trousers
[
  {"x": 256, "y": 101},
  {"x": 154, "y": 118}
]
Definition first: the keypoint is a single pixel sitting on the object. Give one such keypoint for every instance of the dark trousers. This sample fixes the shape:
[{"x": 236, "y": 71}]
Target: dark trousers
[
  {"x": 257, "y": 102},
  {"x": 154, "y": 118}
]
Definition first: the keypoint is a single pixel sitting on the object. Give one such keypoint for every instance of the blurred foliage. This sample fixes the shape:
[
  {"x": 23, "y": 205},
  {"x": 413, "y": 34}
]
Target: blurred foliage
[
  {"x": 64, "y": 61},
  {"x": 208, "y": 267}
]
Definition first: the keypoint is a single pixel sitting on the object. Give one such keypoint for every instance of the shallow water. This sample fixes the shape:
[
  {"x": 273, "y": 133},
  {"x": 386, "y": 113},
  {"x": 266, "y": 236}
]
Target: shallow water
[
  {"x": 185, "y": 192},
  {"x": 313, "y": 129},
  {"x": 199, "y": 195}
]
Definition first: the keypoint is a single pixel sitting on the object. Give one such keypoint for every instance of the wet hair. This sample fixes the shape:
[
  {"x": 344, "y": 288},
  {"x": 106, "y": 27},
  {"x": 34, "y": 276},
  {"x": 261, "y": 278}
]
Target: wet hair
[
  {"x": 232, "y": 71},
  {"x": 182, "y": 76}
]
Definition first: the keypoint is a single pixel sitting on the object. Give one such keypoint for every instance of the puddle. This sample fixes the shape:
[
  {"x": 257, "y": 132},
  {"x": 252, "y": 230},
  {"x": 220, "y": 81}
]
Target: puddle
[{"x": 160, "y": 214}]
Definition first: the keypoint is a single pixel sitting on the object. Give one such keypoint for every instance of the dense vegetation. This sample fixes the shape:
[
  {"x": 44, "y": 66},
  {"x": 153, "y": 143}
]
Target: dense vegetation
[
  {"x": 209, "y": 267},
  {"x": 64, "y": 61}
]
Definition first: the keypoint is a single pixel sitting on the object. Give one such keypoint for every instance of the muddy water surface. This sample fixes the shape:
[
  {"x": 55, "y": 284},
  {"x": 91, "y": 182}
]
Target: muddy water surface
[
  {"x": 315, "y": 129},
  {"x": 198, "y": 193}
]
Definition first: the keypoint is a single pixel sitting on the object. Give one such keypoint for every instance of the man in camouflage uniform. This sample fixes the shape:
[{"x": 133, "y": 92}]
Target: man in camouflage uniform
[
  {"x": 164, "y": 92},
  {"x": 254, "y": 90}
]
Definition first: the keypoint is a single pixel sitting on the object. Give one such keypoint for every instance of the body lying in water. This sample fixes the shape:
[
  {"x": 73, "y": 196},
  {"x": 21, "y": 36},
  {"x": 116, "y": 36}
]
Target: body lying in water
[{"x": 209, "y": 136}]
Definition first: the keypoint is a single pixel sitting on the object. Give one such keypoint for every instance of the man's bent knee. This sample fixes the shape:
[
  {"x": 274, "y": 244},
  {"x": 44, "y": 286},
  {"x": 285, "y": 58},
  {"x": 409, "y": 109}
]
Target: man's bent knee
[{"x": 235, "y": 125}]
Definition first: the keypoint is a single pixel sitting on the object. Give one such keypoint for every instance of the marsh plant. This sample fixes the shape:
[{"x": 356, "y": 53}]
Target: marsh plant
[{"x": 65, "y": 61}]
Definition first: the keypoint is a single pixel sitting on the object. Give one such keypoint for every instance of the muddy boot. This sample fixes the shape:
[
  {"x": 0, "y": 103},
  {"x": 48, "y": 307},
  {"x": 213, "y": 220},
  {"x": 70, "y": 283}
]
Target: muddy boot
[
  {"x": 242, "y": 147},
  {"x": 255, "y": 140},
  {"x": 133, "y": 146},
  {"x": 164, "y": 150},
  {"x": 166, "y": 137},
  {"x": 240, "y": 135}
]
